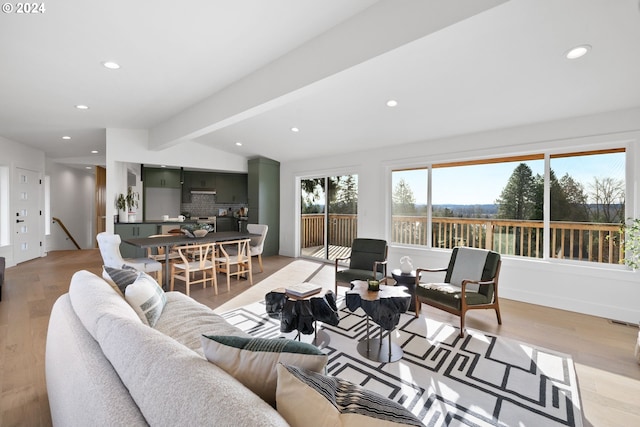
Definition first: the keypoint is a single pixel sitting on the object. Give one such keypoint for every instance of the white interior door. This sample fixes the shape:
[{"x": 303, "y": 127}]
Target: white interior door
[{"x": 28, "y": 215}]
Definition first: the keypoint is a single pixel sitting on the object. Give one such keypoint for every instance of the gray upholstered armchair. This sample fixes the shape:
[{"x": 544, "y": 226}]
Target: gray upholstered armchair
[
  {"x": 471, "y": 282},
  {"x": 368, "y": 260}
]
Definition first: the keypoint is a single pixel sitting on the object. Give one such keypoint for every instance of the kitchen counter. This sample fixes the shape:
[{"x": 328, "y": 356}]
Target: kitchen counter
[{"x": 129, "y": 230}]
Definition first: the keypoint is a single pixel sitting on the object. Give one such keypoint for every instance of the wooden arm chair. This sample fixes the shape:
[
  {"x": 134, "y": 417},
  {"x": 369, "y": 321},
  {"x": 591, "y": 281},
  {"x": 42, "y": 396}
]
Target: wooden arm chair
[
  {"x": 256, "y": 246},
  {"x": 184, "y": 269},
  {"x": 368, "y": 260},
  {"x": 471, "y": 282},
  {"x": 158, "y": 254},
  {"x": 232, "y": 254}
]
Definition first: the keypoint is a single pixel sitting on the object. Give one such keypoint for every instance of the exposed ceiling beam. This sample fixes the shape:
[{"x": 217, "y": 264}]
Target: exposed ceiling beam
[{"x": 383, "y": 27}]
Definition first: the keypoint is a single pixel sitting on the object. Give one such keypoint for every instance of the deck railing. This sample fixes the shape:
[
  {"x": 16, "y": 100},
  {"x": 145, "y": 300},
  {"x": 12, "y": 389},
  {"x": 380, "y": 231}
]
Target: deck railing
[
  {"x": 585, "y": 241},
  {"x": 341, "y": 232}
]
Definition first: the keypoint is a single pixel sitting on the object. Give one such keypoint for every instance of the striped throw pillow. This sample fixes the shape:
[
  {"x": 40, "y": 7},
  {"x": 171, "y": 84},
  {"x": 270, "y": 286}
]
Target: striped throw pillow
[
  {"x": 329, "y": 401},
  {"x": 121, "y": 277}
]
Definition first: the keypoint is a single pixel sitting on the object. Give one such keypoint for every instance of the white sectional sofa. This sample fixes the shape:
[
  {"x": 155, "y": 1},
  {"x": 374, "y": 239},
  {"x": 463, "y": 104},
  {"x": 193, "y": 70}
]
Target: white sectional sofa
[{"x": 105, "y": 367}]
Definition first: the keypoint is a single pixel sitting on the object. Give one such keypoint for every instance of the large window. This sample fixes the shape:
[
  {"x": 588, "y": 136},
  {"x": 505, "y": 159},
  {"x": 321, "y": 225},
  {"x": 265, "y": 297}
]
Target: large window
[
  {"x": 502, "y": 204},
  {"x": 587, "y": 205}
]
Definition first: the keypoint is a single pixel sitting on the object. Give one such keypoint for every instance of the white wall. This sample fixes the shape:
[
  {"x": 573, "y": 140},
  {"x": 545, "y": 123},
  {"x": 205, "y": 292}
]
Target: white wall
[
  {"x": 73, "y": 202},
  {"x": 15, "y": 155},
  {"x": 607, "y": 291}
]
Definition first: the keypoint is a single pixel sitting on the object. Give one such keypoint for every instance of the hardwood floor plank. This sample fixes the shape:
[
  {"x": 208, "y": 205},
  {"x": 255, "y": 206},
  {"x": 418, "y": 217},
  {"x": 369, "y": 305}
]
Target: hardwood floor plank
[{"x": 608, "y": 375}]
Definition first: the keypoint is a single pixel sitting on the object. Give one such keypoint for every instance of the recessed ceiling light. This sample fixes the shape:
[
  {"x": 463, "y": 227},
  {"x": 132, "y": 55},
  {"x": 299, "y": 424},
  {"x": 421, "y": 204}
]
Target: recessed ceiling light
[
  {"x": 94, "y": 151},
  {"x": 66, "y": 137},
  {"x": 88, "y": 167},
  {"x": 392, "y": 103},
  {"x": 239, "y": 144},
  {"x": 578, "y": 51},
  {"x": 163, "y": 166},
  {"x": 295, "y": 129},
  {"x": 111, "y": 65},
  {"x": 82, "y": 107}
]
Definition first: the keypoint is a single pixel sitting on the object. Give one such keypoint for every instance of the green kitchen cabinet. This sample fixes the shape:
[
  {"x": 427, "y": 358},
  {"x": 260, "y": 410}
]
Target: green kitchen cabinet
[
  {"x": 231, "y": 188},
  {"x": 131, "y": 231},
  {"x": 202, "y": 180},
  {"x": 264, "y": 200},
  {"x": 197, "y": 180},
  {"x": 162, "y": 178}
]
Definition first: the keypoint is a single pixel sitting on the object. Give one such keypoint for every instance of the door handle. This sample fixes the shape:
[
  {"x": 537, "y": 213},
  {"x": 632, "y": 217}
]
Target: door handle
[{"x": 19, "y": 220}]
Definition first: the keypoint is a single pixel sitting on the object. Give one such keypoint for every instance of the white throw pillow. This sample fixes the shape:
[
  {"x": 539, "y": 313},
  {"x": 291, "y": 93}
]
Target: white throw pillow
[
  {"x": 253, "y": 361},
  {"x": 147, "y": 298}
]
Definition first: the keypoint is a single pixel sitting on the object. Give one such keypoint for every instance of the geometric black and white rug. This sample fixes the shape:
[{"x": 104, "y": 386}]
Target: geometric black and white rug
[{"x": 478, "y": 380}]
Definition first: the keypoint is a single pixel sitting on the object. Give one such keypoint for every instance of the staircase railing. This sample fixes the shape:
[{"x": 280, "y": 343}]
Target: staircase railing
[{"x": 66, "y": 231}]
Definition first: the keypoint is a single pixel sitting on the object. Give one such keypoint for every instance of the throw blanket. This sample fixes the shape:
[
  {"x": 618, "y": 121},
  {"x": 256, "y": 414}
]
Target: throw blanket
[{"x": 468, "y": 266}]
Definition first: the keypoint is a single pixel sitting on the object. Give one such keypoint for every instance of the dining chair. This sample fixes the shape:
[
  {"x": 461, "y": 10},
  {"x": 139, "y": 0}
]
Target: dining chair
[
  {"x": 256, "y": 246},
  {"x": 109, "y": 245},
  {"x": 158, "y": 253},
  {"x": 204, "y": 263},
  {"x": 257, "y": 243},
  {"x": 234, "y": 253}
]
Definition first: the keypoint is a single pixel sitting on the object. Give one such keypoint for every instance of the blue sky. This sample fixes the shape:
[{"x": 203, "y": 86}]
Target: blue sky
[{"x": 482, "y": 184}]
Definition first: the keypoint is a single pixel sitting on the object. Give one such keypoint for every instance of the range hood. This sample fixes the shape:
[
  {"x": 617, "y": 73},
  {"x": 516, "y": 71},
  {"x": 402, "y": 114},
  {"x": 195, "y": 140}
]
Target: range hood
[{"x": 203, "y": 191}]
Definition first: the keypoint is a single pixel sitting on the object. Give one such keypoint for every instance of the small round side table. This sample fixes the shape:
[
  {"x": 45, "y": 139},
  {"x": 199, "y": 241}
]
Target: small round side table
[{"x": 408, "y": 280}]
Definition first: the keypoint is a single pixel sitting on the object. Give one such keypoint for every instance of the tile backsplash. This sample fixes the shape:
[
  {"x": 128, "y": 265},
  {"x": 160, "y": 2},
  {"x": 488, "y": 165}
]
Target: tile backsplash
[{"x": 205, "y": 205}]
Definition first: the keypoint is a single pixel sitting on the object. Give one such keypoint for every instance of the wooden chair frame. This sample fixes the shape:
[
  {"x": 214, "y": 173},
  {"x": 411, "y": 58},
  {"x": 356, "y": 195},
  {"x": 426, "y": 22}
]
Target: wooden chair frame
[
  {"x": 240, "y": 257},
  {"x": 205, "y": 263},
  {"x": 157, "y": 254},
  {"x": 464, "y": 306}
]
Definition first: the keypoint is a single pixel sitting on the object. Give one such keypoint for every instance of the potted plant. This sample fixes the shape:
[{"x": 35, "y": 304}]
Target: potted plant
[
  {"x": 631, "y": 243},
  {"x": 132, "y": 203},
  {"x": 121, "y": 205}
]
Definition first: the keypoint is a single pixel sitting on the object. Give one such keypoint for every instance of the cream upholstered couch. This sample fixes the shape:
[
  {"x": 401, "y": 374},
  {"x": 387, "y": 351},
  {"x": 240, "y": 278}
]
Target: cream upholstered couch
[{"x": 105, "y": 367}]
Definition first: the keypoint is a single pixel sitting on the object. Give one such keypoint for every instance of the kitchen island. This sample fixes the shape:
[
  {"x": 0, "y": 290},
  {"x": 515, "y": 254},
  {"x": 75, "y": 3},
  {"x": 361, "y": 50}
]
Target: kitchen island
[{"x": 134, "y": 230}]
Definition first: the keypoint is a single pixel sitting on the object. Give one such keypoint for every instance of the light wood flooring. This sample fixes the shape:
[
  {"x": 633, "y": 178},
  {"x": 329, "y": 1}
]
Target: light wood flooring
[{"x": 608, "y": 375}]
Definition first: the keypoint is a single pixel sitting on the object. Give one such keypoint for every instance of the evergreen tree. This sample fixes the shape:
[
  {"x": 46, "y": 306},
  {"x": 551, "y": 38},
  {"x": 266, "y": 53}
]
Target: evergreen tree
[
  {"x": 311, "y": 192},
  {"x": 404, "y": 202},
  {"x": 346, "y": 200},
  {"x": 517, "y": 200},
  {"x": 538, "y": 198},
  {"x": 576, "y": 199},
  {"x": 559, "y": 206}
]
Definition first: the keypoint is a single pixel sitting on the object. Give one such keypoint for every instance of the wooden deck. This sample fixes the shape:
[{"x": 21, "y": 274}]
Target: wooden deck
[{"x": 319, "y": 252}]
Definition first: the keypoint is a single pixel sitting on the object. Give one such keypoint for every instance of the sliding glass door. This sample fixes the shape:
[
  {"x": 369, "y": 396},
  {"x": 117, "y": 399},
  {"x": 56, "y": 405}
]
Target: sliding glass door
[{"x": 329, "y": 216}]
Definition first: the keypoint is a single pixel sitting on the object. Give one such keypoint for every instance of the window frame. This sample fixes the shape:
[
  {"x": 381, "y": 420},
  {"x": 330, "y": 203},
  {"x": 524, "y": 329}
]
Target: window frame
[{"x": 626, "y": 146}]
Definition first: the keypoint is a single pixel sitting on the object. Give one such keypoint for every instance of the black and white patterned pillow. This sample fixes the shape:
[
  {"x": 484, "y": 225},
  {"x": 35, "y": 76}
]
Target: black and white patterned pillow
[
  {"x": 303, "y": 395},
  {"x": 121, "y": 277}
]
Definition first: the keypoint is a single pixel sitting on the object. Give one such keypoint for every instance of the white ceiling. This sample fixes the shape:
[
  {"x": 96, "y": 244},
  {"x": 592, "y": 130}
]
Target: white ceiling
[{"x": 220, "y": 72}]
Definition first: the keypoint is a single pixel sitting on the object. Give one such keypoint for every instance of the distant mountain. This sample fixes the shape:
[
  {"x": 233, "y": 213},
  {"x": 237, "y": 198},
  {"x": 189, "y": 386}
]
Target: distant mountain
[{"x": 486, "y": 208}]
